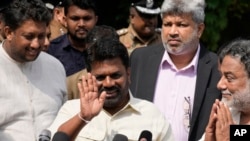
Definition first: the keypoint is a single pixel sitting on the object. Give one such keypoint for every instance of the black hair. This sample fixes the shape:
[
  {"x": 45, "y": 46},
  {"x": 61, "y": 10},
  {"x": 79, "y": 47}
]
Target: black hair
[
  {"x": 83, "y": 4},
  {"x": 99, "y": 32},
  {"x": 20, "y": 11},
  {"x": 106, "y": 48}
]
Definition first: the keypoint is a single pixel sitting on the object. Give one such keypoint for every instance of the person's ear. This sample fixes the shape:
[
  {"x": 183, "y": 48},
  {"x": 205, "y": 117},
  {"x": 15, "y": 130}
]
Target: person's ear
[
  {"x": 201, "y": 28},
  {"x": 64, "y": 22},
  {"x": 96, "y": 19},
  {"x": 8, "y": 32}
]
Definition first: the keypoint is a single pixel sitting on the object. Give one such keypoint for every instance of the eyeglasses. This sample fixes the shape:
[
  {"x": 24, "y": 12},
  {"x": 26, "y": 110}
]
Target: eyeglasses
[{"x": 187, "y": 113}]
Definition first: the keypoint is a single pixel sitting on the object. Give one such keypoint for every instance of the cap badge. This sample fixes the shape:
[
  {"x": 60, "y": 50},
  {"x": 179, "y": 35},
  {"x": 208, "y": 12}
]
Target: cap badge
[{"x": 149, "y": 3}]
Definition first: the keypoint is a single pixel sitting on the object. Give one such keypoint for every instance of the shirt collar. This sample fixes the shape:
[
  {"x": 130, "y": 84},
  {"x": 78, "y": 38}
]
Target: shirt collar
[
  {"x": 131, "y": 104},
  {"x": 135, "y": 36},
  {"x": 167, "y": 62},
  {"x": 65, "y": 42}
]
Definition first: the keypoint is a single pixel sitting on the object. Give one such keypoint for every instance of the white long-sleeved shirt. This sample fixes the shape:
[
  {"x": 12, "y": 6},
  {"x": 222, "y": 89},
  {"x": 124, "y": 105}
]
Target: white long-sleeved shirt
[{"x": 30, "y": 95}]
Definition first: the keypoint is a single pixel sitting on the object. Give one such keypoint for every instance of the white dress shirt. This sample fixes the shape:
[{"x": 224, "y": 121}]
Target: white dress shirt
[{"x": 30, "y": 95}]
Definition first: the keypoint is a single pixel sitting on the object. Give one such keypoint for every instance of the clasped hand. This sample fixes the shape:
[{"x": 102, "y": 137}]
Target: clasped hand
[{"x": 218, "y": 127}]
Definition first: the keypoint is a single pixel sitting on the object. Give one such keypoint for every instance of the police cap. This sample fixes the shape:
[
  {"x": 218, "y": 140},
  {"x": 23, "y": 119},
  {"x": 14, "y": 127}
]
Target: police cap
[
  {"x": 147, "y": 7},
  {"x": 51, "y": 4}
]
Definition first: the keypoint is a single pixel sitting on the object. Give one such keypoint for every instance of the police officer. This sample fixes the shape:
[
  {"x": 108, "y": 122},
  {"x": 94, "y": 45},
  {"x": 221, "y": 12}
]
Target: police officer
[
  {"x": 58, "y": 23},
  {"x": 142, "y": 29}
]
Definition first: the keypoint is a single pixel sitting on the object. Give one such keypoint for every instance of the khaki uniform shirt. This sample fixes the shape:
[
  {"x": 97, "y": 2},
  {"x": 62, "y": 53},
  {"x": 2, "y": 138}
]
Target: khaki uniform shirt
[
  {"x": 131, "y": 40},
  {"x": 56, "y": 29},
  {"x": 72, "y": 80}
]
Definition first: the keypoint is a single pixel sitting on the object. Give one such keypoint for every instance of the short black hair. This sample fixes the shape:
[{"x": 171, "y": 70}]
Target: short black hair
[
  {"x": 101, "y": 31},
  {"x": 4, "y": 4},
  {"x": 105, "y": 49},
  {"x": 83, "y": 4},
  {"x": 20, "y": 11}
]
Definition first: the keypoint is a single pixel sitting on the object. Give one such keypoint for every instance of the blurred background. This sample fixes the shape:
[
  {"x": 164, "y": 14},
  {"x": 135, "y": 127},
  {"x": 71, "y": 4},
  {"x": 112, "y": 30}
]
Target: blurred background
[{"x": 225, "y": 19}]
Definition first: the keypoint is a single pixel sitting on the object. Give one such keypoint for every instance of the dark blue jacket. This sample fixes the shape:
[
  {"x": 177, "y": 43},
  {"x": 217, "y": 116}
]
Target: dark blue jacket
[{"x": 72, "y": 59}]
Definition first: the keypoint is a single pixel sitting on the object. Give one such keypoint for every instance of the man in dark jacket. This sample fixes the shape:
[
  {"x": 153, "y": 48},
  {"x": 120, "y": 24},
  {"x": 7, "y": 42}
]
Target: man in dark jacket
[{"x": 179, "y": 75}]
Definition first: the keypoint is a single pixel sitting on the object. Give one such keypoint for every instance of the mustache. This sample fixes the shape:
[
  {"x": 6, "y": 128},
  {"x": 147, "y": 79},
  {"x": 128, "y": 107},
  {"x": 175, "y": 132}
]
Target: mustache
[
  {"x": 109, "y": 89},
  {"x": 84, "y": 29},
  {"x": 226, "y": 92}
]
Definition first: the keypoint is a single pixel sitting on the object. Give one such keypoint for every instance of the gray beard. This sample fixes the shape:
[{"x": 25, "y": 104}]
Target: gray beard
[{"x": 234, "y": 111}]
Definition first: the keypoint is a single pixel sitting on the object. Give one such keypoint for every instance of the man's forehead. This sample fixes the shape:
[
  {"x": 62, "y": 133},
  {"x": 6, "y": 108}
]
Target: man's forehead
[
  {"x": 180, "y": 15},
  {"x": 231, "y": 64},
  {"x": 31, "y": 26}
]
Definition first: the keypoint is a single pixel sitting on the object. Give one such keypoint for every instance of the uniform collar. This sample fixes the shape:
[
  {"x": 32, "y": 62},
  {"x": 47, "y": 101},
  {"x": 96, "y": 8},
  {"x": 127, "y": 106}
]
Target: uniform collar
[{"x": 135, "y": 36}]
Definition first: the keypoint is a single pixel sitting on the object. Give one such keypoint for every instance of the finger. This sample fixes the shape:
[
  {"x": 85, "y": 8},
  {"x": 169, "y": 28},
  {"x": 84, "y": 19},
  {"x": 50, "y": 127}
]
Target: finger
[
  {"x": 212, "y": 117},
  {"x": 95, "y": 84},
  {"x": 80, "y": 85},
  {"x": 217, "y": 101},
  {"x": 224, "y": 115},
  {"x": 80, "y": 88},
  {"x": 95, "y": 88},
  {"x": 222, "y": 118},
  {"x": 90, "y": 82},
  {"x": 229, "y": 115},
  {"x": 84, "y": 86},
  {"x": 218, "y": 122},
  {"x": 102, "y": 98}
]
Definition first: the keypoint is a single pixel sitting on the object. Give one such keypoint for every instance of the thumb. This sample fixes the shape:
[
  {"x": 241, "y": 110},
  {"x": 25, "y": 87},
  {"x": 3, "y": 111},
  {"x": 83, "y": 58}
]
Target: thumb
[{"x": 102, "y": 97}]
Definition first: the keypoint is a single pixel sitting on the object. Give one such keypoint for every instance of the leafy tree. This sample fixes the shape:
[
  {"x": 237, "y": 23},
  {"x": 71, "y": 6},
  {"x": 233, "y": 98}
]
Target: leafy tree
[{"x": 219, "y": 14}]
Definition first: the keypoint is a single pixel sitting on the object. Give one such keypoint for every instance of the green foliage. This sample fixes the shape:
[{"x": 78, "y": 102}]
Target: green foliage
[
  {"x": 218, "y": 15},
  {"x": 215, "y": 21},
  {"x": 224, "y": 20}
]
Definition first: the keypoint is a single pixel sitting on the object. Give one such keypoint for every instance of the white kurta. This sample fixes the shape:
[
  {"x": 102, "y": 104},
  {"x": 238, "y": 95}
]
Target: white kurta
[{"x": 30, "y": 95}]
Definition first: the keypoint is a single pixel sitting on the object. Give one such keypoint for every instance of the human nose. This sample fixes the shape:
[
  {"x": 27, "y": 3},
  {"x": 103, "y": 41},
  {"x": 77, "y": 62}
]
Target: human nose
[
  {"x": 108, "y": 82},
  {"x": 173, "y": 31},
  {"x": 81, "y": 22},
  {"x": 35, "y": 43},
  {"x": 221, "y": 84}
]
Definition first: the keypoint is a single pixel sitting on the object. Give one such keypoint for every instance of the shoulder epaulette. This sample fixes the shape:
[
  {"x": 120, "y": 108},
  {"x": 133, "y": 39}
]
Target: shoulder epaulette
[{"x": 122, "y": 31}]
